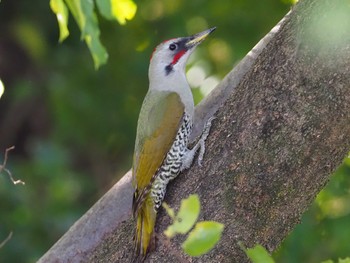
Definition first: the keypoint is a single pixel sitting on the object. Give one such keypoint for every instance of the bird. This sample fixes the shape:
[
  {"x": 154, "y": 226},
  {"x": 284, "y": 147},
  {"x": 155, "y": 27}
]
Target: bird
[{"x": 163, "y": 130}]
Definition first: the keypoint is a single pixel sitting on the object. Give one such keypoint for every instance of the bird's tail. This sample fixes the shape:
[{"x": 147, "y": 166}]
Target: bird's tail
[{"x": 144, "y": 234}]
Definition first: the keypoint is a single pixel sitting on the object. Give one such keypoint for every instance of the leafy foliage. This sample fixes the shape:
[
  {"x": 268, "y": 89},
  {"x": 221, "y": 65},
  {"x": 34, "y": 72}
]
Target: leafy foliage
[
  {"x": 258, "y": 254},
  {"x": 85, "y": 16},
  {"x": 61, "y": 11},
  {"x": 203, "y": 238},
  {"x": 121, "y": 10},
  {"x": 345, "y": 260},
  {"x": 325, "y": 229},
  {"x": 2, "y": 88},
  {"x": 204, "y": 235},
  {"x": 185, "y": 218}
]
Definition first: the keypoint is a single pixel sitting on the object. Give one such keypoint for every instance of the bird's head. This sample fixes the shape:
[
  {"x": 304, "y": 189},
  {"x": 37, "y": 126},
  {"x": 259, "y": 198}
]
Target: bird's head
[{"x": 170, "y": 57}]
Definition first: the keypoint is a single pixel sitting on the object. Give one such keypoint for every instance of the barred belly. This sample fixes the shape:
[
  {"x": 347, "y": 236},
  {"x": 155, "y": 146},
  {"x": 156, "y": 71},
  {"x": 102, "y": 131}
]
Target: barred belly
[{"x": 172, "y": 163}]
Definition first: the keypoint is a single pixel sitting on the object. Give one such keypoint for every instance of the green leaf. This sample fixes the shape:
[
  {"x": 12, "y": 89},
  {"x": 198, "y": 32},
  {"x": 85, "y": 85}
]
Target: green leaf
[
  {"x": 123, "y": 10},
  {"x": 203, "y": 238},
  {"x": 105, "y": 8},
  {"x": 187, "y": 216},
  {"x": 258, "y": 254},
  {"x": 345, "y": 260},
  {"x": 2, "y": 88},
  {"x": 61, "y": 11},
  {"x": 84, "y": 15},
  {"x": 169, "y": 210},
  {"x": 120, "y": 10}
]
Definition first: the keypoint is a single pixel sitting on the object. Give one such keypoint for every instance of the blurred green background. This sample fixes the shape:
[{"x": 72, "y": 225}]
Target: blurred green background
[{"x": 74, "y": 127}]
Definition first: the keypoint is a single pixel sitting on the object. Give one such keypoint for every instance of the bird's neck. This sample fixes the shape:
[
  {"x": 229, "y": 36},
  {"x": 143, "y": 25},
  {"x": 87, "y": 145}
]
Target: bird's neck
[{"x": 174, "y": 82}]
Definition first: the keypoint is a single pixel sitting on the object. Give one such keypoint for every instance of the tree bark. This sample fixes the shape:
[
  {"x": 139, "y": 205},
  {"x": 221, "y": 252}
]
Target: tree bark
[{"x": 282, "y": 127}]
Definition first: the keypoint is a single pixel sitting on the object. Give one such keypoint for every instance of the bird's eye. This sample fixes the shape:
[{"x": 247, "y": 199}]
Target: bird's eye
[{"x": 172, "y": 47}]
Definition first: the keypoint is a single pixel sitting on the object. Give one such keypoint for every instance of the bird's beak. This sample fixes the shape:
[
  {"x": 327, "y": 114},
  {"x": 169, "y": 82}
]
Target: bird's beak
[{"x": 198, "y": 38}]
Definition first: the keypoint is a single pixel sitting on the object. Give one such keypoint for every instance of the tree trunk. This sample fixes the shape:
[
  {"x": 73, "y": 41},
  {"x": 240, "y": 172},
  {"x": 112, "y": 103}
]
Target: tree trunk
[{"x": 282, "y": 127}]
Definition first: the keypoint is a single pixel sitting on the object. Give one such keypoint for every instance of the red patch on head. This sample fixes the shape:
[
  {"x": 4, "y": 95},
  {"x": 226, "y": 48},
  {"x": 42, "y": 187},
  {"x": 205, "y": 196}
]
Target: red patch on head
[
  {"x": 168, "y": 40},
  {"x": 156, "y": 46},
  {"x": 177, "y": 56},
  {"x": 153, "y": 53}
]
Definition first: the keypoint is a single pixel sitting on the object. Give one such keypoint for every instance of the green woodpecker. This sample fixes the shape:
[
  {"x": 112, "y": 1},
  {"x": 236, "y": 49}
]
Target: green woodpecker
[{"x": 163, "y": 130}]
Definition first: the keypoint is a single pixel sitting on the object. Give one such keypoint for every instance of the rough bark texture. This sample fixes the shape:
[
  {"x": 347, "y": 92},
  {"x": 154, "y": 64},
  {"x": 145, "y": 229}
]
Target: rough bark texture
[{"x": 282, "y": 127}]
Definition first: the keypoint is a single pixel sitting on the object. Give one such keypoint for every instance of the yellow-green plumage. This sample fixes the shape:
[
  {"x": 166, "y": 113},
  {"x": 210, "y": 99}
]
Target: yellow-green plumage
[
  {"x": 144, "y": 236},
  {"x": 158, "y": 124}
]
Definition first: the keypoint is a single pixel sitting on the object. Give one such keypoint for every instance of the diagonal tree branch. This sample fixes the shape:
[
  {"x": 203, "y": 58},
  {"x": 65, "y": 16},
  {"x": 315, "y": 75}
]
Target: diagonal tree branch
[{"x": 282, "y": 128}]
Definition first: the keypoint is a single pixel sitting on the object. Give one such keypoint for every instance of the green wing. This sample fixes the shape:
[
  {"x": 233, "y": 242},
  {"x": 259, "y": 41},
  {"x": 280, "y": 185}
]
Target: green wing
[{"x": 159, "y": 120}]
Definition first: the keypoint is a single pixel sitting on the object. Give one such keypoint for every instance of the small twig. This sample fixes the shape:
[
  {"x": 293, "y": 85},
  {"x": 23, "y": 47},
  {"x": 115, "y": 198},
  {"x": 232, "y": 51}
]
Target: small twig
[
  {"x": 6, "y": 240},
  {"x": 3, "y": 168},
  {"x": 175, "y": 252}
]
